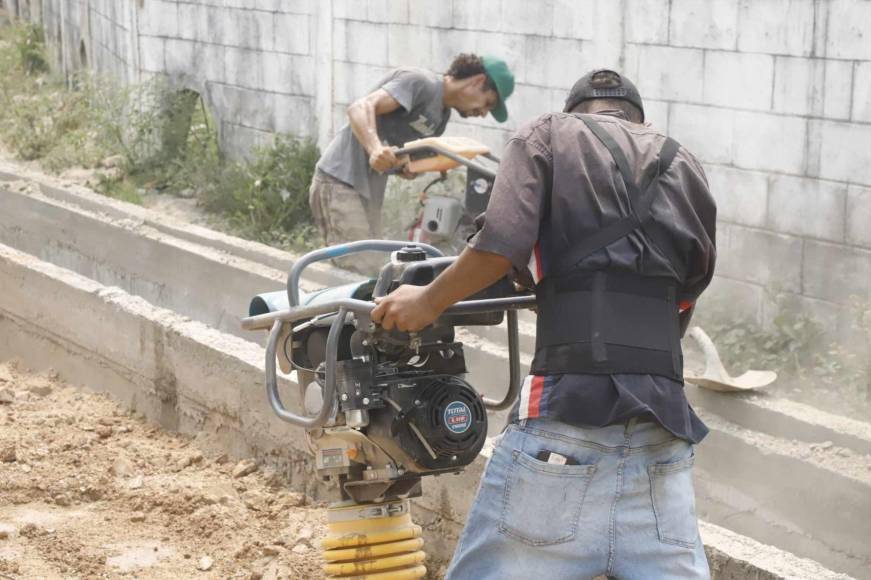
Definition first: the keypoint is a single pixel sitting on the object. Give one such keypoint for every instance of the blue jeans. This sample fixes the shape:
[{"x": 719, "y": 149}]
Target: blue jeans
[{"x": 622, "y": 506}]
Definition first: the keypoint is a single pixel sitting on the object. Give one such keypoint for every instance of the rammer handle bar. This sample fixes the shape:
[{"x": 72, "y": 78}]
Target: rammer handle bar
[
  {"x": 453, "y": 156},
  {"x": 363, "y": 310}
]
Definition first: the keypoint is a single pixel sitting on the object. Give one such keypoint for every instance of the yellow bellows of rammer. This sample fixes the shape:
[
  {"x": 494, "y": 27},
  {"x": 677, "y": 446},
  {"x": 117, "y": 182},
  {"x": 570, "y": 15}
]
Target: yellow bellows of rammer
[{"x": 377, "y": 548}]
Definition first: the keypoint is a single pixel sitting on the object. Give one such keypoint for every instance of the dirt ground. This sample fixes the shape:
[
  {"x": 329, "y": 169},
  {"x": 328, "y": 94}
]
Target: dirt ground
[{"x": 89, "y": 491}]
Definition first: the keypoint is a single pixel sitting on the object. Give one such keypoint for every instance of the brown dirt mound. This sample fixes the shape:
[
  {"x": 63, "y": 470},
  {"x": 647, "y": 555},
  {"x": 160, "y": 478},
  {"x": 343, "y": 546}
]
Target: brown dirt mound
[{"x": 88, "y": 491}]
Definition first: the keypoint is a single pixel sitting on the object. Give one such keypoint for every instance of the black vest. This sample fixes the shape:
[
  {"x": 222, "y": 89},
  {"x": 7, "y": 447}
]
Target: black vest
[{"x": 604, "y": 322}]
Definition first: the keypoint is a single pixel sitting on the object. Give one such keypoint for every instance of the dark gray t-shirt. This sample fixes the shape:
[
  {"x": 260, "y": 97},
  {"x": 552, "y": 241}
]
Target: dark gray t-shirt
[{"x": 421, "y": 113}]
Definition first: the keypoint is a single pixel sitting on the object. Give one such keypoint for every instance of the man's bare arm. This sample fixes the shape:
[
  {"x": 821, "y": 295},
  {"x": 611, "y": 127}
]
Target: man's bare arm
[
  {"x": 411, "y": 308},
  {"x": 361, "y": 115}
]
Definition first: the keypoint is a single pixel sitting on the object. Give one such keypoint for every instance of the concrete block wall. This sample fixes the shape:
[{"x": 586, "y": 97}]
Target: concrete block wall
[{"x": 774, "y": 97}]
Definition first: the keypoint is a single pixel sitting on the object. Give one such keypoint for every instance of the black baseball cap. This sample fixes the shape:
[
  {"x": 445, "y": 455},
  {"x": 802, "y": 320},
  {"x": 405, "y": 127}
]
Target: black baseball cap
[{"x": 603, "y": 83}]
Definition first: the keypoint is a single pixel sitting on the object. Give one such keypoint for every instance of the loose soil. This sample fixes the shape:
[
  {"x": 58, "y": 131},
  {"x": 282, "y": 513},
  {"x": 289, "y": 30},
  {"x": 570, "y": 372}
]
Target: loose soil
[{"x": 88, "y": 491}]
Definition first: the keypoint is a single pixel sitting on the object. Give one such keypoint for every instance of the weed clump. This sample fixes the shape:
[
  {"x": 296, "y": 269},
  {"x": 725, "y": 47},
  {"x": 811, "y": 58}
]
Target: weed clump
[{"x": 150, "y": 137}]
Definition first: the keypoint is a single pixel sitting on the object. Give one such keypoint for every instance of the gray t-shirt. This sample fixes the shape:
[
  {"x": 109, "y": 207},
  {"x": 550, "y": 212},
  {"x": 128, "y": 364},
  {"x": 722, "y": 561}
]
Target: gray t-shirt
[{"x": 421, "y": 113}]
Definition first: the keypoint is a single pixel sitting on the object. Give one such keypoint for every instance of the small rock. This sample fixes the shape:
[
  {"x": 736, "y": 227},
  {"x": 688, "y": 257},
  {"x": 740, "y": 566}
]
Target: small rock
[
  {"x": 243, "y": 468},
  {"x": 103, "y": 431},
  {"x": 137, "y": 517},
  {"x": 112, "y": 161},
  {"x": 205, "y": 564},
  {"x": 40, "y": 387},
  {"x": 844, "y": 452},
  {"x": 305, "y": 534},
  {"x": 135, "y": 483},
  {"x": 826, "y": 445},
  {"x": 190, "y": 459},
  {"x": 255, "y": 575},
  {"x": 271, "y": 550},
  {"x": 5, "y": 375},
  {"x": 222, "y": 459},
  {"x": 300, "y": 548},
  {"x": 121, "y": 467},
  {"x": 92, "y": 493},
  {"x": 8, "y": 453},
  {"x": 7, "y": 397},
  {"x": 26, "y": 468},
  {"x": 62, "y": 499},
  {"x": 107, "y": 421}
]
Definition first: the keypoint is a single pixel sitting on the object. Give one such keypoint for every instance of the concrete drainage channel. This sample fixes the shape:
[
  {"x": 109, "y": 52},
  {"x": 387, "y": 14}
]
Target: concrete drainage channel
[{"x": 114, "y": 296}]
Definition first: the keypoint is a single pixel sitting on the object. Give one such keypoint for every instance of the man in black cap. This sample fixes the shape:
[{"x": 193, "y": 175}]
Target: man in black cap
[{"x": 616, "y": 224}]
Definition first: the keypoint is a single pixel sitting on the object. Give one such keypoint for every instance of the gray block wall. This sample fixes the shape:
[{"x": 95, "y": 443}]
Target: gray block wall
[{"x": 773, "y": 96}]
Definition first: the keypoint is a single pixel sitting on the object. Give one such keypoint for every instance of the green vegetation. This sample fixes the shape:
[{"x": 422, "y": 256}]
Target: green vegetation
[
  {"x": 816, "y": 367},
  {"x": 150, "y": 137}
]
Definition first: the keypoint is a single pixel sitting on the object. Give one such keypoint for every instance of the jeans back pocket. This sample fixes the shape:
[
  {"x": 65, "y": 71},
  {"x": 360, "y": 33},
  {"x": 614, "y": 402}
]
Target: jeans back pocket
[
  {"x": 674, "y": 502},
  {"x": 542, "y": 502}
]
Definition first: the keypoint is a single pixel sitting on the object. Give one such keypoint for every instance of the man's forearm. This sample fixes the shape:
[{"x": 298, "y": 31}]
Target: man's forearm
[
  {"x": 361, "y": 116},
  {"x": 474, "y": 270}
]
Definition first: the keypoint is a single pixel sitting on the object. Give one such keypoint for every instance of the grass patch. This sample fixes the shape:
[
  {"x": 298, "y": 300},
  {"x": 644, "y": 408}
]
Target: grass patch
[{"x": 150, "y": 137}]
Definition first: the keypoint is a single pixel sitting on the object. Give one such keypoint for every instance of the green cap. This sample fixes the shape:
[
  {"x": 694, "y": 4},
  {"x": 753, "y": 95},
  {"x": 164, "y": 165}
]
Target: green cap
[{"x": 498, "y": 72}]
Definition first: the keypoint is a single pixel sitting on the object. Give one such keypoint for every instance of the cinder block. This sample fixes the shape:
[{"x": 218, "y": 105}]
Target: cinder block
[
  {"x": 835, "y": 272},
  {"x": 769, "y": 142},
  {"x": 409, "y": 46},
  {"x": 242, "y": 67},
  {"x": 340, "y": 39},
  {"x": 776, "y": 27},
  {"x": 741, "y": 195},
  {"x": 293, "y": 115},
  {"x": 574, "y": 19},
  {"x": 180, "y": 57},
  {"x": 159, "y": 18},
  {"x": 480, "y": 15},
  {"x": 859, "y": 216},
  {"x": 844, "y": 152},
  {"x": 848, "y": 30},
  {"x": 838, "y": 90},
  {"x": 646, "y": 21},
  {"x": 673, "y": 74},
  {"x": 556, "y": 62},
  {"x": 189, "y": 16},
  {"x": 509, "y": 47},
  {"x": 656, "y": 113},
  {"x": 809, "y": 207},
  {"x": 293, "y": 33},
  {"x": 528, "y": 102},
  {"x": 760, "y": 257},
  {"x": 525, "y": 17},
  {"x": 706, "y": 131},
  {"x": 249, "y": 29},
  {"x": 798, "y": 85},
  {"x": 288, "y": 74},
  {"x": 446, "y": 44},
  {"x": 152, "y": 54},
  {"x": 861, "y": 92},
  {"x": 387, "y": 11},
  {"x": 212, "y": 29},
  {"x": 735, "y": 299},
  {"x": 435, "y": 14},
  {"x": 704, "y": 23},
  {"x": 349, "y": 9},
  {"x": 367, "y": 42},
  {"x": 356, "y": 80},
  {"x": 213, "y": 63},
  {"x": 742, "y": 81},
  {"x": 250, "y": 108}
]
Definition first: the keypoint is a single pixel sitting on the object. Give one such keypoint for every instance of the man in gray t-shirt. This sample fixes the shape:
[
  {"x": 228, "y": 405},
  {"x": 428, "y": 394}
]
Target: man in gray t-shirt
[{"x": 407, "y": 104}]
